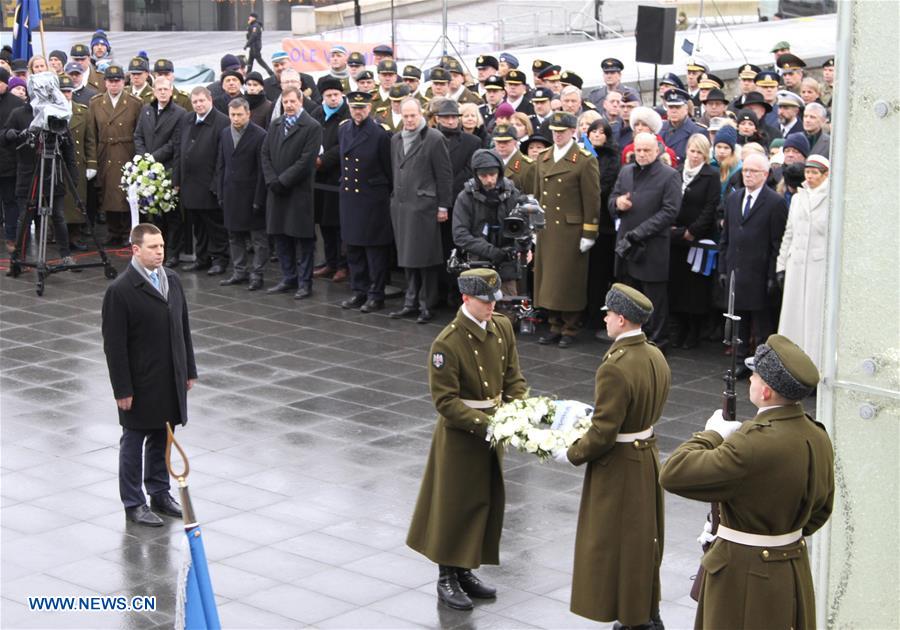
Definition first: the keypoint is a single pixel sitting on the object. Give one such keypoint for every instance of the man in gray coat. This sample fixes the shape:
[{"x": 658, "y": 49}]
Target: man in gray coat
[
  {"x": 289, "y": 166},
  {"x": 645, "y": 200},
  {"x": 423, "y": 196}
]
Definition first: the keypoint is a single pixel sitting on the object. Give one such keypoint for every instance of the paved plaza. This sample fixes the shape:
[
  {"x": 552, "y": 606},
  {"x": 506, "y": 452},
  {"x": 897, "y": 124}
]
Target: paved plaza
[{"x": 308, "y": 432}]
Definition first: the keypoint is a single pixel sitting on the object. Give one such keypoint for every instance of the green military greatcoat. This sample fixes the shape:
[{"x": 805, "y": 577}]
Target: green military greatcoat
[
  {"x": 77, "y": 130},
  {"x": 774, "y": 475},
  {"x": 520, "y": 169},
  {"x": 459, "y": 513},
  {"x": 619, "y": 541},
  {"x": 569, "y": 191}
]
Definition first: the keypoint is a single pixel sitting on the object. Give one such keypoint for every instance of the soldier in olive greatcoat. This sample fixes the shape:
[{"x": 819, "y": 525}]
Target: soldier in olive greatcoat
[
  {"x": 473, "y": 368},
  {"x": 773, "y": 477},
  {"x": 568, "y": 188},
  {"x": 619, "y": 541}
]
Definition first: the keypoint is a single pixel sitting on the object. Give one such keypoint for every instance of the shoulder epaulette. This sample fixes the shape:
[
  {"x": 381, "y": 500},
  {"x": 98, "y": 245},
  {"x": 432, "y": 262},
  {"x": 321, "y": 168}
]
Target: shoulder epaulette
[
  {"x": 615, "y": 356},
  {"x": 527, "y": 159},
  {"x": 386, "y": 127},
  {"x": 346, "y": 120},
  {"x": 585, "y": 152},
  {"x": 589, "y": 105}
]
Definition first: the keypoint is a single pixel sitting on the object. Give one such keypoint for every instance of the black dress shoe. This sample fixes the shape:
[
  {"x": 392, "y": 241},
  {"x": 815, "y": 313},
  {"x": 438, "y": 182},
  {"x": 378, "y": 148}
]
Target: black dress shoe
[
  {"x": 548, "y": 339},
  {"x": 197, "y": 266},
  {"x": 281, "y": 287},
  {"x": 473, "y": 586},
  {"x": 216, "y": 270},
  {"x": 566, "y": 340},
  {"x": 227, "y": 282},
  {"x": 371, "y": 306},
  {"x": 302, "y": 293},
  {"x": 406, "y": 311},
  {"x": 742, "y": 372},
  {"x": 255, "y": 284},
  {"x": 172, "y": 263},
  {"x": 450, "y": 592},
  {"x": 425, "y": 316},
  {"x": 143, "y": 516},
  {"x": 165, "y": 504},
  {"x": 355, "y": 302}
]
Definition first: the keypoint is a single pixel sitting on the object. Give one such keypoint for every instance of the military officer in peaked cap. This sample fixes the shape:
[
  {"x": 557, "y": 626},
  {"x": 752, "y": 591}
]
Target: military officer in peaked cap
[
  {"x": 612, "y": 82},
  {"x": 458, "y": 90},
  {"x": 516, "y": 85},
  {"x": 138, "y": 71},
  {"x": 538, "y": 66},
  {"x": 165, "y": 68},
  {"x": 519, "y": 168},
  {"x": 773, "y": 477},
  {"x": 747, "y": 76},
  {"x": 791, "y": 67},
  {"x": 494, "y": 94},
  {"x": 827, "y": 85},
  {"x": 695, "y": 71},
  {"x": 619, "y": 540},
  {"x": 81, "y": 54},
  {"x": 568, "y": 188},
  {"x": 382, "y": 52},
  {"x": 550, "y": 78},
  {"x": 486, "y": 66},
  {"x": 364, "y": 203},
  {"x": 387, "y": 77},
  {"x": 507, "y": 62},
  {"x": 388, "y": 116},
  {"x": 473, "y": 367},
  {"x": 678, "y": 126},
  {"x": 412, "y": 76}
]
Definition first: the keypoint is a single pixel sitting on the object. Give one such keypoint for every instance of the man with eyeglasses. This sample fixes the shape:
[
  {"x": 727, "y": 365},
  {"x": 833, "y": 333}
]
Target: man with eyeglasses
[{"x": 755, "y": 217}]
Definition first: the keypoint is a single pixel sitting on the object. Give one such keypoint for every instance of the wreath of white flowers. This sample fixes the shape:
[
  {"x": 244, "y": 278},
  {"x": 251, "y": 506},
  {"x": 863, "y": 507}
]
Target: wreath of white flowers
[
  {"x": 539, "y": 425},
  {"x": 148, "y": 185}
]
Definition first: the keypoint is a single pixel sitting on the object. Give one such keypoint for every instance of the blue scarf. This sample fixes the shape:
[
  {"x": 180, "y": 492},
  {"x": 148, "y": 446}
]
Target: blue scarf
[{"x": 329, "y": 111}]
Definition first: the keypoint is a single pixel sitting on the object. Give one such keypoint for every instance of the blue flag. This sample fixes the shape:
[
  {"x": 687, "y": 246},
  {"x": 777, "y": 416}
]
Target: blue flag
[
  {"x": 196, "y": 602},
  {"x": 687, "y": 46},
  {"x": 27, "y": 19}
]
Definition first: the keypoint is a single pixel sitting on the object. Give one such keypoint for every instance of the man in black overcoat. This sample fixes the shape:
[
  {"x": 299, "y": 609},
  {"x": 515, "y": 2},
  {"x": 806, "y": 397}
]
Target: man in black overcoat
[
  {"x": 755, "y": 217},
  {"x": 365, "y": 203},
  {"x": 289, "y": 165},
  {"x": 646, "y": 199},
  {"x": 194, "y": 174},
  {"x": 330, "y": 115},
  {"x": 156, "y": 133},
  {"x": 242, "y": 192},
  {"x": 147, "y": 341}
]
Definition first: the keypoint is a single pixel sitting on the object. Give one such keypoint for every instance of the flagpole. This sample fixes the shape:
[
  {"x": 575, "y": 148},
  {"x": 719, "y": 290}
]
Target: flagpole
[{"x": 43, "y": 43}]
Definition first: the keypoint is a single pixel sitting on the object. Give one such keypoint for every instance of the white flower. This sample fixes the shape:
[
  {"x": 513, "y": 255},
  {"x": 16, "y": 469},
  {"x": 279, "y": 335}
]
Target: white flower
[{"x": 531, "y": 446}]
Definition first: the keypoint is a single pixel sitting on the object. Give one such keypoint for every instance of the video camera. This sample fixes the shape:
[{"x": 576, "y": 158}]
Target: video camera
[{"x": 525, "y": 219}]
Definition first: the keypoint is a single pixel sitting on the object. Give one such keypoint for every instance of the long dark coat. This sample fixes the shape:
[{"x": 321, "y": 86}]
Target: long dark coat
[
  {"x": 749, "y": 245},
  {"x": 20, "y": 120},
  {"x": 569, "y": 192},
  {"x": 260, "y": 109},
  {"x": 774, "y": 475},
  {"x": 458, "y": 517},
  {"x": 149, "y": 352},
  {"x": 365, "y": 196},
  {"x": 461, "y": 146},
  {"x": 689, "y": 292},
  {"x": 157, "y": 133},
  {"x": 656, "y": 197},
  {"x": 195, "y": 168},
  {"x": 329, "y": 171},
  {"x": 423, "y": 182},
  {"x": 291, "y": 161},
  {"x": 109, "y": 145},
  {"x": 619, "y": 540},
  {"x": 239, "y": 180},
  {"x": 9, "y": 102}
]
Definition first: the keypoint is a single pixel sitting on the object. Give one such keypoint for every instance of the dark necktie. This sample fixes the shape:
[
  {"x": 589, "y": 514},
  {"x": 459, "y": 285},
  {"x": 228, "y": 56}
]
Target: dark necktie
[{"x": 748, "y": 204}]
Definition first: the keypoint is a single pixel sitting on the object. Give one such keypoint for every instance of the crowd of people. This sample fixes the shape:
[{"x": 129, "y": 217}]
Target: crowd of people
[{"x": 670, "y": 199}]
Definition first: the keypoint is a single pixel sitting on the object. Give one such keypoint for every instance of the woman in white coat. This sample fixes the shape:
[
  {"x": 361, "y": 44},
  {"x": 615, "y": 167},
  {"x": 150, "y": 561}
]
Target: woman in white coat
[{"x": 801, "y": 261}]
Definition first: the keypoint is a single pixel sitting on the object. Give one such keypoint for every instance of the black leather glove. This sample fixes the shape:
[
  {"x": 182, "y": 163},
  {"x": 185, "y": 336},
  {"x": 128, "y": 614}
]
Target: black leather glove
[
  {"x": 623, "y": 247},
  {"x": 779, "y": 277},
  {"x": 723, "y": 280},
  {"x": 632, "y": 237},
  {"x": 12, "y": 135}
]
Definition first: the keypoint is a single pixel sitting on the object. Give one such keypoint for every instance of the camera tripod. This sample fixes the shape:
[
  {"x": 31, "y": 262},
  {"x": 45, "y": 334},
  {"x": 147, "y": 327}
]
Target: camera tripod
[{"x": 47, "y": 151}]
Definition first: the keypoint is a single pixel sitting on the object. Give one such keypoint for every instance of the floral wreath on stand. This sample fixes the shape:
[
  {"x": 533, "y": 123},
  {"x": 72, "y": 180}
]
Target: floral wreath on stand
[
  {"x": 539, "y": 425},
  {"x": 148, "y": 186}
]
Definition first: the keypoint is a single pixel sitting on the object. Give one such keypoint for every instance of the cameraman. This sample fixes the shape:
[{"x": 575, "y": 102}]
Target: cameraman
[
  {"x": 478, "y": 214},
  {"x": 18, "y": 137}
]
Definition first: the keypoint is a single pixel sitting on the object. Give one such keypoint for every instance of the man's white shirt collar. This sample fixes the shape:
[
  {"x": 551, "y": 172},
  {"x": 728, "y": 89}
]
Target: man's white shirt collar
[
  {"x": 481, "y": 325},
  {"x": 630, "y": 333},
  {"x": 560, "y": 153}
]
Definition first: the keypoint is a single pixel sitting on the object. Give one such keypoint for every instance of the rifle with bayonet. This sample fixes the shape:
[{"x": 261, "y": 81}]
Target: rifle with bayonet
[{"x": 729, "y": 410}]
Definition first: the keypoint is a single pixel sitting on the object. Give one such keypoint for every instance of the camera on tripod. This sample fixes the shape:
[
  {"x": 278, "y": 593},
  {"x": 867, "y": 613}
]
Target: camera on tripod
[{"x": 521, "y": 224}]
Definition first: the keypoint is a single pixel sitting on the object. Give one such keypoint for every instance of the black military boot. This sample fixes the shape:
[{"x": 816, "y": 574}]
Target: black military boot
[
  {"x": 656, "y": 620},
  {"x": 473, "y": 586},
  {"x": 450, "y": 592}
]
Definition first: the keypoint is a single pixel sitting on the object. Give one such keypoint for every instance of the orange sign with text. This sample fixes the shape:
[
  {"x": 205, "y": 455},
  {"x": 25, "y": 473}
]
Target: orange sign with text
[{"x": 313, "y": 55}]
